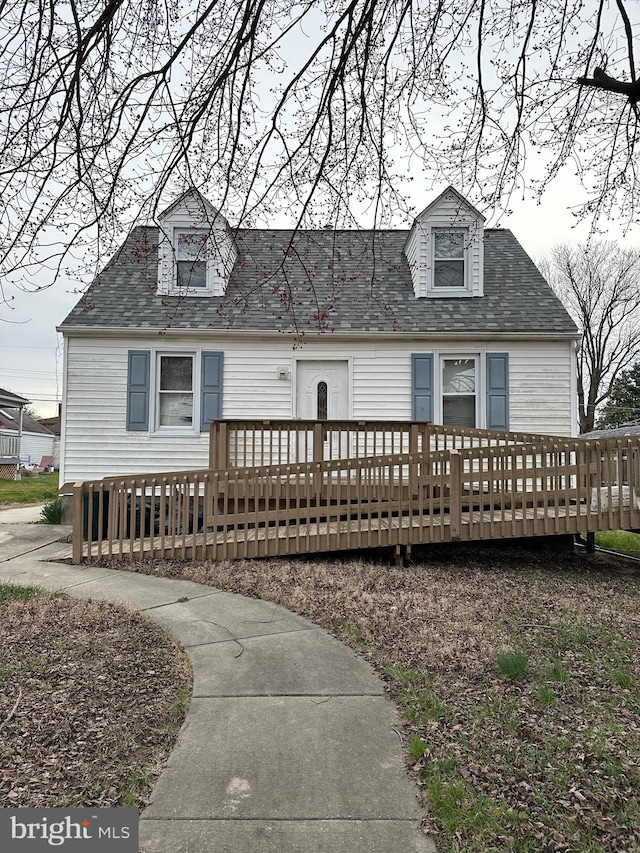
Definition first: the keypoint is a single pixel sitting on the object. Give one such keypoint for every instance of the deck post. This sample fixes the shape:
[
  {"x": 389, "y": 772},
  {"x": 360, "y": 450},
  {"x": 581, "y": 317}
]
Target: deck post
[
  {"x": 213, "y": 446},
  {"x": 218, "y": 445},
  {"x": 455, "y": 511},
  {"x": 77, "y": 523},
  {"x": 318, "y": 441},
  {"x": 413, "y": 439}
]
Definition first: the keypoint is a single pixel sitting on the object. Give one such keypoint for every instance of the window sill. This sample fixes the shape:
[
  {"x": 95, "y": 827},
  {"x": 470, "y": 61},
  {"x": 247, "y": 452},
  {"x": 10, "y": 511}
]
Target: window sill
[
  {"x": 174, "y": 430},
  {"x": 448, "y": 292},
  {"x": 191, "y": 291}
]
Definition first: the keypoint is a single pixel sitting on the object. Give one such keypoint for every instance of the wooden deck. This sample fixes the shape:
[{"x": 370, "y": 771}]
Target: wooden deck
[
  {"x": 437, "y": 485},
  {"x": 324, "y": 536}
]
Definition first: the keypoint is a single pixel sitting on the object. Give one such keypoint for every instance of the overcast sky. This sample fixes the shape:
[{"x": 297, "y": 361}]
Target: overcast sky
[{"x": 31, "y": 360}]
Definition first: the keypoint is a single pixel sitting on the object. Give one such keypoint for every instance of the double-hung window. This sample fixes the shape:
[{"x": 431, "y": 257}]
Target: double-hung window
[
  {"x": 175, "y": 391},
  {"x": 449, "y": 247},
  {"x": 191, "y": 258},
  {"x": 461, "y": 388},
  {"x": 459, "y": 379}
]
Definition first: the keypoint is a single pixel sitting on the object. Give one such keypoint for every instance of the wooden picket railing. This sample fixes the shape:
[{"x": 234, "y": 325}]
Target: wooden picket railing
[
  {"x": 510, "y": 486},
  {"x": 252, "y": 442}
]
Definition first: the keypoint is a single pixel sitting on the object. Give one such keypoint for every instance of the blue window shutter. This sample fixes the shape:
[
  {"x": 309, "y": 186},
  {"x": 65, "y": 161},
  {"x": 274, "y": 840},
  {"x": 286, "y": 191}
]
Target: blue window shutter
[
  {"x": 497, "y": 390},
  {"x": 138, "y": 390},
  {"x": 211, "y": 388},
  {"x": 422, "y": 386}
]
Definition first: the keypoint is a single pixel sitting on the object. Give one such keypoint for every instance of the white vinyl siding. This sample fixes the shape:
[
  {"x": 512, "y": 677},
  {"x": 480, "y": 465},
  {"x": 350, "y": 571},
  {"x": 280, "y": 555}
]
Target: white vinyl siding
[
  {"x": 97, "y": 443},
  {"x": 541, "y": 381}
]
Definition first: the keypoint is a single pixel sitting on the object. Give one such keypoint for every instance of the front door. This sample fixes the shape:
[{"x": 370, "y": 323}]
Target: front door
[
  {"x": 322, "y": 394},
  {"x": 322, "y": 390}
]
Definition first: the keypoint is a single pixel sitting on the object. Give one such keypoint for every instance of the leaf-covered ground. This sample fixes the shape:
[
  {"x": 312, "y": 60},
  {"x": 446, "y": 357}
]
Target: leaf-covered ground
[
  {"x": 539, "y": 753},
  {"x": 92, "y": 696}
]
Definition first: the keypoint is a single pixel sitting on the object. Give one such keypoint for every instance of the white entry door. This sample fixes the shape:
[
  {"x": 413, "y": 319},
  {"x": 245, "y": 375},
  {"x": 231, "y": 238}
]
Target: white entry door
[
  {"x": 322, "y": 394},
  {"x": 322, "y": 390}
]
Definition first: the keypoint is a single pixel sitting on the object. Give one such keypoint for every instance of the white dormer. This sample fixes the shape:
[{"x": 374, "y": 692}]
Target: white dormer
[
  {"x": 196, "y": 251},
  {"x": 445, "y": 248}
]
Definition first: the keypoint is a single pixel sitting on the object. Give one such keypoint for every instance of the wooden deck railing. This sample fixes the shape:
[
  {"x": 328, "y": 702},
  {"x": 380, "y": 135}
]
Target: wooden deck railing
[
  {"x": 249, "y": 443},
  {"x": 534, "y": 488}
]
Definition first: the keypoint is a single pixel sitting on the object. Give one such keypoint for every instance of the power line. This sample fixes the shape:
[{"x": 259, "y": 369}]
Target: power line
[
  {"x": 28, "y": 373},
  {"x": 18, "y": 346}
]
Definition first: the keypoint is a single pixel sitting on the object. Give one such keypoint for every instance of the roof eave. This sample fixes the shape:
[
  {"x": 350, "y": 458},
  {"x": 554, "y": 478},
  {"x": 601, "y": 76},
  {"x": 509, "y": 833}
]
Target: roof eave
[{"x": 475, "y": 335}]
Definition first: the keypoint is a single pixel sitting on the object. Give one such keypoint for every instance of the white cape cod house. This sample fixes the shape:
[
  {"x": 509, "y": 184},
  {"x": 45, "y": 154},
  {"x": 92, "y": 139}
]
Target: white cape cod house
[{"x": 193, "y": 320}]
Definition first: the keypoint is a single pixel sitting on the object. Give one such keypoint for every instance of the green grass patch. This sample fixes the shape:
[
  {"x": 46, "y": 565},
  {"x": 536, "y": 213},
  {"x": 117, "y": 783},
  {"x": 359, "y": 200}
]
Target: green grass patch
[
  {"x": 570, "y": 636},
  {"x": 415, "y": 690},
  {"x": 416, "y": 747},
  {"x": 622, "y": 678},
  {"x": 555, "y": 671},
  {"x": 14, "y": 592},
  {"x": 180, "y": 704},
  {"x": 136, "y": 783},
  {"x": 546, "y": 695},
  {"x": 512, "y": 664},
  {"x": 10, "y": 666},
  {"x": 619, "y": 540},
  {"x": 30, "y": 490},
  {"x": 460, "y": 810}
]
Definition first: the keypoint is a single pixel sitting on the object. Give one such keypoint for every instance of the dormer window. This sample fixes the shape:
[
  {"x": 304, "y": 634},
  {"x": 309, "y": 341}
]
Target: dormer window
[
  {"x": 445, "y": 249},
  {"x": 191, "y": 258},
  {"x": 196, "y": 250},
  {"x": 449, "y": 258}
]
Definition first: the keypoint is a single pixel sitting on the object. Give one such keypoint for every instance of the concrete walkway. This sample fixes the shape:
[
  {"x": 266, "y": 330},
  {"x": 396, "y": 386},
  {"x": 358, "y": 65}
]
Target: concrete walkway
[{"x": 289, "y": 744}]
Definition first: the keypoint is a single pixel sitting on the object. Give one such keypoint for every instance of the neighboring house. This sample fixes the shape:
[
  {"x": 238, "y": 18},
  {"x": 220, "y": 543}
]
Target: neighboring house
[
  {"x": 193, "y": 320},
  {"x": 10, "y": 441},
  {"x": 54, "y": 425},
  {"x": 36, "y": 440},
  {"x": 8, "y": 398},
  {"x": 632, "y": 428}
]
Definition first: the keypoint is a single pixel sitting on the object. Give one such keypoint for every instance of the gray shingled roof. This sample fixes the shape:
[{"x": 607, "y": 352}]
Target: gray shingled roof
[
  {"x": 307, "y": 281},
  {"x": 10, "y": 420},
  {"x": 614, "y": 432}
]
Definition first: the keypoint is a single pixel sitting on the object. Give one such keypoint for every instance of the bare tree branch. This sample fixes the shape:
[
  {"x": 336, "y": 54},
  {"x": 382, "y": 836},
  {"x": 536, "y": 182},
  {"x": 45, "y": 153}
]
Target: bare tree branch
[
  {"x": 323, "y": 110},
  {"x": 601, "y": 80},
  {"x": 600, "y": 286}
]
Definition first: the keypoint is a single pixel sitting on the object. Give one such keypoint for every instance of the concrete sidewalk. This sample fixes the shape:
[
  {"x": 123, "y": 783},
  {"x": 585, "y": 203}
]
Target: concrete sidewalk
[{"x": 289, "y": 744}]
